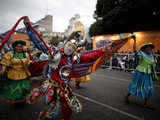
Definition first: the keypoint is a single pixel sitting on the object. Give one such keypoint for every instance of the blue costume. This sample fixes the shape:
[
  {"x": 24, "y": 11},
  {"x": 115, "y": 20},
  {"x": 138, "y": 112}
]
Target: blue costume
[{"x": 142, "y": 81}]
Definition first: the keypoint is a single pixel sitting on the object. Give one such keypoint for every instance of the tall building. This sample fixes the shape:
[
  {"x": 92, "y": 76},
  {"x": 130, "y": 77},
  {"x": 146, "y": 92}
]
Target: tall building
[
  {"x": 44, "y": 27},
  {"x": 45, "y": 24}
]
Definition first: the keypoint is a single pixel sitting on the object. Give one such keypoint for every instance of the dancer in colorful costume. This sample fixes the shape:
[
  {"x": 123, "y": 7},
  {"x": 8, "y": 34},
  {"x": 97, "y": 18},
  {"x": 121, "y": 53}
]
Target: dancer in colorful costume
[
  {"x": 142, "y": 81},
  {"x": 16, "y": 85},
  {"x": 64, "y": 64},
  {"x": 67, "y": 64},
  {"x": 58, "y": 91},
  {"x": 81, "y": 79}
]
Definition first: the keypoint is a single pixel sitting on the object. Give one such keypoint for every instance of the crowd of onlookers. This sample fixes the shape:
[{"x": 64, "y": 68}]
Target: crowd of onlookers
[
  {"x": 126, "y": 61},
  {"x": 122, "y": 61}
]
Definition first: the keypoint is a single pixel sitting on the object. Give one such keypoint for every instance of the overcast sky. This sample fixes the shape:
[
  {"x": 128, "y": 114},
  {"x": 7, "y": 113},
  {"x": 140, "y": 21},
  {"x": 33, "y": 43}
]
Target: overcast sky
[{"x": 61, "y": 10}]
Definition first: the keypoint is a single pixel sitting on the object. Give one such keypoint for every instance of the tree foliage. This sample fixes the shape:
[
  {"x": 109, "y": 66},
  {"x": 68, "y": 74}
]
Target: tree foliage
[
  {"x": 96, "y": 28},
  {"x": 55, "y": 40},
  {"x": 116, "y": 16}
]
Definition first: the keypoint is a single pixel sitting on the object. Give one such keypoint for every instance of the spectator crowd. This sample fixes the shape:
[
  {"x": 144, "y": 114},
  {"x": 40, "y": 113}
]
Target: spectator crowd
[{"x": 126, "y": 61}]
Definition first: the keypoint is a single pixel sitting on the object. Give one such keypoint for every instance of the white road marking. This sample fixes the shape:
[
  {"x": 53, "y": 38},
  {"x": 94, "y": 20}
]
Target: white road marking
[
  {"x": 120, "y": 79},
  {"x": 110, "y": 107},
  {"x": 115, "y": 78}
]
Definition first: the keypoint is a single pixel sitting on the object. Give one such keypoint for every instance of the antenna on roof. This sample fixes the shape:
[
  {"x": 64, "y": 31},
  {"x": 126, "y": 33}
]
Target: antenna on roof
[{"x": 47, "y": 8}]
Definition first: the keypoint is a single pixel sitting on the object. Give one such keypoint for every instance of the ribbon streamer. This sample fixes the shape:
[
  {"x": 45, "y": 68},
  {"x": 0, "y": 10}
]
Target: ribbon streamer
[{"x": 6, "y": 38}]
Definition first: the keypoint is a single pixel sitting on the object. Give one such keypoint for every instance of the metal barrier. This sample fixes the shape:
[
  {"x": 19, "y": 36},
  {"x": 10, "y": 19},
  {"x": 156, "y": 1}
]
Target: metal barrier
[{"x": 126, "y": 62}]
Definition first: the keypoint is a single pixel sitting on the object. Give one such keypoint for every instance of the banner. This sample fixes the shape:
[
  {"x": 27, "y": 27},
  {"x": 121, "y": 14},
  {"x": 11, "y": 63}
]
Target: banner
[{"x": 101, "y": 40}]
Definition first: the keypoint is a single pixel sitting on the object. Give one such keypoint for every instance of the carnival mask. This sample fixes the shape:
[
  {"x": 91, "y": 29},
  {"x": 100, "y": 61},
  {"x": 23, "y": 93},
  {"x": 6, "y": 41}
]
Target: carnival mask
[{"x": 69, "y": 49}]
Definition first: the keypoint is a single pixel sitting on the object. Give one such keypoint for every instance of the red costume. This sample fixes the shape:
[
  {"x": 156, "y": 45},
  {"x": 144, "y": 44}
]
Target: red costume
[
  {"x": 58, "y": 91},
  {"x": 59, "y": 69}
]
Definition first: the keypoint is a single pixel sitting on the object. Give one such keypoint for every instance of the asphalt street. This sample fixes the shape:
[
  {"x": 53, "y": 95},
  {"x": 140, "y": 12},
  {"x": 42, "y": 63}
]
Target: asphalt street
[{"x": 102, "y": 99}]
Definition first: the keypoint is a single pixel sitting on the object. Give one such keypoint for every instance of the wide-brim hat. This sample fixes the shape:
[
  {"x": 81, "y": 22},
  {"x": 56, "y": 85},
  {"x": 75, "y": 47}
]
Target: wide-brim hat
[
  {"x": 147, "y": 45},
  {"x": 14, "y": 44}
]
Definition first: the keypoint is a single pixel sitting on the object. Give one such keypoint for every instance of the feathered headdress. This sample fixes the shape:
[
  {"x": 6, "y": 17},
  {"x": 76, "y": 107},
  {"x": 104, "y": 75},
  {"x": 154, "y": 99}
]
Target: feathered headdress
[{"x": 75, "y": 40}]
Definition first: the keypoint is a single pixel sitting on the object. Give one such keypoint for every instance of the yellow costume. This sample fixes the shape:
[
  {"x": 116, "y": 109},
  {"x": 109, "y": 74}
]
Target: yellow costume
[
  {"x": 16, "y": 83},
  {"x": 16, "y": 70},
  {"x": 82, "y": 79}
]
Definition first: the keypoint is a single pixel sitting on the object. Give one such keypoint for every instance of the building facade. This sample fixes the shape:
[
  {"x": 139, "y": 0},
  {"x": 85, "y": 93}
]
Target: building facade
[{"x": 45, "y": 24}]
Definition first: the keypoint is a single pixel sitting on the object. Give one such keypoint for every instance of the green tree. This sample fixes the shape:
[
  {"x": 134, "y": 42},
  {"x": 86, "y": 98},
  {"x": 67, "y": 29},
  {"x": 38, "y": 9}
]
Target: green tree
[
  {"x": 55, "y": 40},
  {"x": 117, "y": 16},
  {"x": 96, "y": 28}
]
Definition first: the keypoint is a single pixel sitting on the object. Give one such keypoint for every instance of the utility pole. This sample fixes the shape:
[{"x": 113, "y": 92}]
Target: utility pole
[{"x": 47, "y": 8}]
